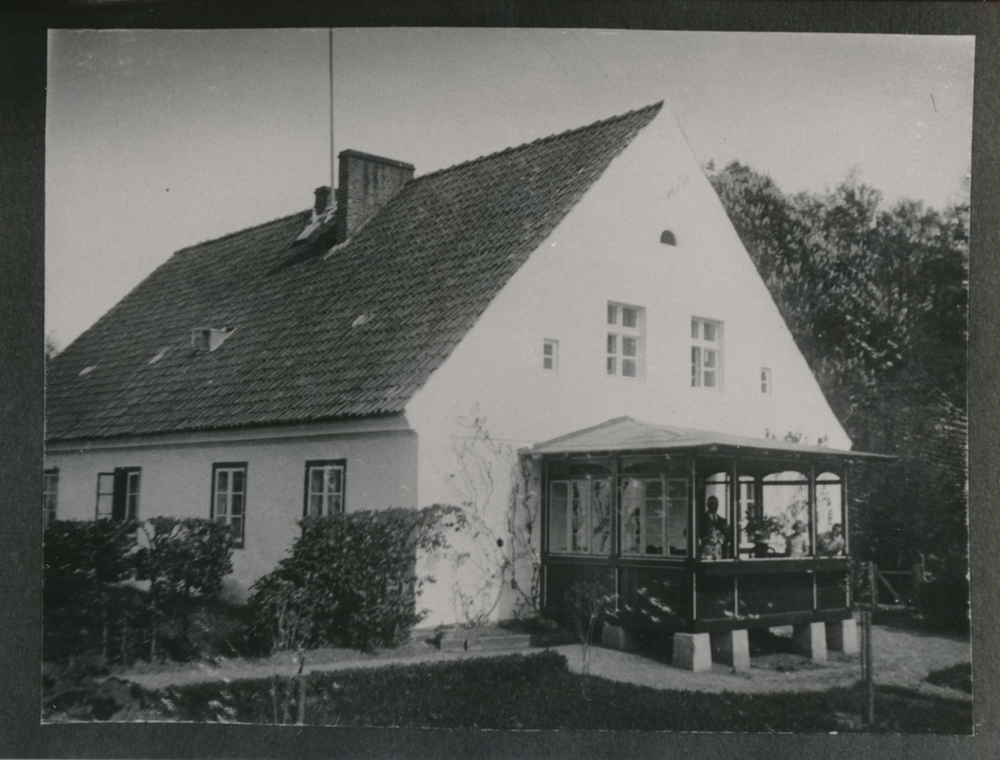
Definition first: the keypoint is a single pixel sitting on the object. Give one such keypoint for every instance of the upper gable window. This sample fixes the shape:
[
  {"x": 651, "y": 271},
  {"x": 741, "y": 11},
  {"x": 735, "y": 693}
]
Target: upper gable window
[
  {"x": 765, "y": 380},
  {"x": 624, "y": 346},
  {"x": 550, "y": 355},
  {"x": 706, "y": 353}
]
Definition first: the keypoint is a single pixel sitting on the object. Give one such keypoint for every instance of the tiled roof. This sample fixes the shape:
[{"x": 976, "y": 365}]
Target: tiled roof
[
  {"x": 627, "y": 434},
  {"x": 418, "y": 275}
]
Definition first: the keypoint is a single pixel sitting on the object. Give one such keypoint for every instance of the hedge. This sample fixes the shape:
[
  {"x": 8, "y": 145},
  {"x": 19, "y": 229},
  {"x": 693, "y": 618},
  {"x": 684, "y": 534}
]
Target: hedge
[{"x": 349, "y": 580}]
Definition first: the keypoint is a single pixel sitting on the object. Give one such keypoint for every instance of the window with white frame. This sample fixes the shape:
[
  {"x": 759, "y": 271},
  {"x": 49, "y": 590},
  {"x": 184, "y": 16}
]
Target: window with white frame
[
  {"x": 580, "y": 516},
  {"x": 50, "y": 494},
  {"x": 118, "y": 494},
  {"x": 765, "y": 380},
  {"x": 550, "y": 355},
  {"x": 706, "y": 353},
  {"x": 324, "y": 487},
  {"x": 624, "y": 347},
  {"x": 229, "y": 491}
]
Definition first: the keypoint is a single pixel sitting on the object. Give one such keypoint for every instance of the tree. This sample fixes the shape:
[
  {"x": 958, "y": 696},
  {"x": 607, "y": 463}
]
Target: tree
[{"x": 876, "y": 299}]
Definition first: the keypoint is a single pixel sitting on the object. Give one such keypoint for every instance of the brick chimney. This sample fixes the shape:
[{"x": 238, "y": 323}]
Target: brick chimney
[{"x": 366, "y": 183}]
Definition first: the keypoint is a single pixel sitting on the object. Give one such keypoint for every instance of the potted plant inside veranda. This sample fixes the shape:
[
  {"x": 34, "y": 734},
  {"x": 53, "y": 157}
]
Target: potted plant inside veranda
[{"x": 760, "y": 529}]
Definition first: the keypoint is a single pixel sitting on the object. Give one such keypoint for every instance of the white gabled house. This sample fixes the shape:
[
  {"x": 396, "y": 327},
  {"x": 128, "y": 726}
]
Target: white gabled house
[{"x": 333, "y": 359}]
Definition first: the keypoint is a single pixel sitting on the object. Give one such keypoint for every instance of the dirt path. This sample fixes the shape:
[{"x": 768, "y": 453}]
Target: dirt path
[{"x": 902, "y": 658}]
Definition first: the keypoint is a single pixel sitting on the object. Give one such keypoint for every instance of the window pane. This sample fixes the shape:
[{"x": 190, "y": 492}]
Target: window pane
[
  {"x": 315, "y": 480},
  {"x": 611, "y": 365},
  {"x": 238, "y": 481},
  {"x": 632, "y": 501},
  {"x": 694, "y": 328},
  {"x": 629, "y": 368},
  {"x": 709, "y": 378},
  {"x": 600, "y": 505},
  {"x": 695, "y": 366},
  {"x": 221, "y": 481},
  {"x": 612, "y": 315},
  {"x": 104, "y": 506},
  {"x": 547, "y": 349},
  {"x": 333, "y": 481},
  {"x": 335, "y": 504},
  {"x": 315, "y": 505},
  {"x": 236, "y": 504},
  {"x": 557, "y": 517},
  {"x": 709, "y": 359},
  {"x": 579, "y": 508},
  {"x": 630, "y": 346},
  {"x": 630, "y": 317},
  {"x": 237, "y": 527},
  {"x": 612, "y": 343},
  {"x": 221, "y": 505},
  {"x": 547, "y": 362},
  {"x": 710, "y": 332}
]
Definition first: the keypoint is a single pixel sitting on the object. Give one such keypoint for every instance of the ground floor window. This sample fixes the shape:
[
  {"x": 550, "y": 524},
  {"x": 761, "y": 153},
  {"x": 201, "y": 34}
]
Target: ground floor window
[
  {"x": 324, "y": 487},
  {"x": 50, "y": 495},
  {"x": 580, "y": 516},
  {"x": 229, "y": 487},
  {"x": 118, "y": 494}
]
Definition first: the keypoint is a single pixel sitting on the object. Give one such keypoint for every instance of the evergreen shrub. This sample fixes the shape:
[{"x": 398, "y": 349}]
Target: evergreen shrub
[{"x": 350, "y": 580}]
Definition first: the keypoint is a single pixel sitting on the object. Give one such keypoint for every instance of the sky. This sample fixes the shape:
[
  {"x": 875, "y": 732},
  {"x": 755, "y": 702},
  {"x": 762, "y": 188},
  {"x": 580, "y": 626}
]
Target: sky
[{"x": 157, "y": 140}]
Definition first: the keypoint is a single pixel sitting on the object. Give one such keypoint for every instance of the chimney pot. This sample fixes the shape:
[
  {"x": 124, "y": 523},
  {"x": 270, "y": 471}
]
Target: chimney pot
[{"x": 322, "y": 199}]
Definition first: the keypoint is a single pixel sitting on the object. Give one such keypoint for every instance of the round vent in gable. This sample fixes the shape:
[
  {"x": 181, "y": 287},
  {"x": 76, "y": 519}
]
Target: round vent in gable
[{"x": 668, "y": 238}]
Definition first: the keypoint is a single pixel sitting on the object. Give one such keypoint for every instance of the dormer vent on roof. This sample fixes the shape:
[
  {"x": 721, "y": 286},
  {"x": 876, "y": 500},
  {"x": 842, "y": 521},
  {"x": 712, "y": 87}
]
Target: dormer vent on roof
[
  {"x": 209, "y": 338},
  {"x": 366, "y": 183}
]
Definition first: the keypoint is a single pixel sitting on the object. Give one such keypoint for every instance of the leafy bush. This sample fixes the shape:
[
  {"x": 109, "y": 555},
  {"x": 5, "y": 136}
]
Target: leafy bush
[
  {"x": 93, "y": 550},
  {"x": 349, "y": 580},
  {"x": 88, "y": 605},
  {"x": 83, "y": 561},
  {"x": 179, "y": 557}
]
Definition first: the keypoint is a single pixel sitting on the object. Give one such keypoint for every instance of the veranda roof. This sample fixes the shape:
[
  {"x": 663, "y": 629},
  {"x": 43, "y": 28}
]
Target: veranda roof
[{"x": 626, "y": 434}]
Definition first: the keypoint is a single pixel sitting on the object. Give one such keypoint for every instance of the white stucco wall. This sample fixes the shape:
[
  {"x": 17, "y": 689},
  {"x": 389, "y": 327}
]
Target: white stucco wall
[
  {"x": 608, "y": 249},
  {"x": 177, "y": 479}
]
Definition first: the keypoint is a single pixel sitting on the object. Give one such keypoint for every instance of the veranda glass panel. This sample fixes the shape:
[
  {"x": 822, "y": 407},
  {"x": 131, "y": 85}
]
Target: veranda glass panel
[
  {"x": 558, "y": 518},
  {"x": 785, "y": 497},
  {"x": 677, "y": 517},
  {"x": 578, "y": 518},
  {"x": 600, "y": 502},
  {"x": 829, "y": 516}
]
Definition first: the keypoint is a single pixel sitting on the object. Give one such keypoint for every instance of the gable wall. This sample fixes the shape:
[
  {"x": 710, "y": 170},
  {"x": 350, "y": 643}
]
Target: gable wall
[{"x": 608, "y": 249}]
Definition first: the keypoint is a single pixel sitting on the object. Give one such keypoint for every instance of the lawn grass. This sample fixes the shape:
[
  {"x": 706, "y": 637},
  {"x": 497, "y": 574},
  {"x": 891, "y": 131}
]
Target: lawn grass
[{"x": 538, "y": 691}]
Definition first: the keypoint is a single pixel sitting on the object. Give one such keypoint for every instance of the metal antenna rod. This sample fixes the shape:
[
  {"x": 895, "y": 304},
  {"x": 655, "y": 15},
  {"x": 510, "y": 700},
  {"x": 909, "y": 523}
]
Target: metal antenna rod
[{"x": 333, "y": 155}]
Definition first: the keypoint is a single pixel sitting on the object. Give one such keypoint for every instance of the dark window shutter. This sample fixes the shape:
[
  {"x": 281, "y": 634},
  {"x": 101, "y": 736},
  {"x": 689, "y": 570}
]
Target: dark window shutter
[{"x": 121, "y": 492}]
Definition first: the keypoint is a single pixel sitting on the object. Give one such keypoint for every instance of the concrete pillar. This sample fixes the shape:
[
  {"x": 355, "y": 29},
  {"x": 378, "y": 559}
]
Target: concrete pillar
[
  {"x": 809, "y": 639},
  {"x": 621, "y": 639},
  {"x": 692, "y": 651},
  {"x": 842, "y": 636},
  {"x": 732, "y": 648}
]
